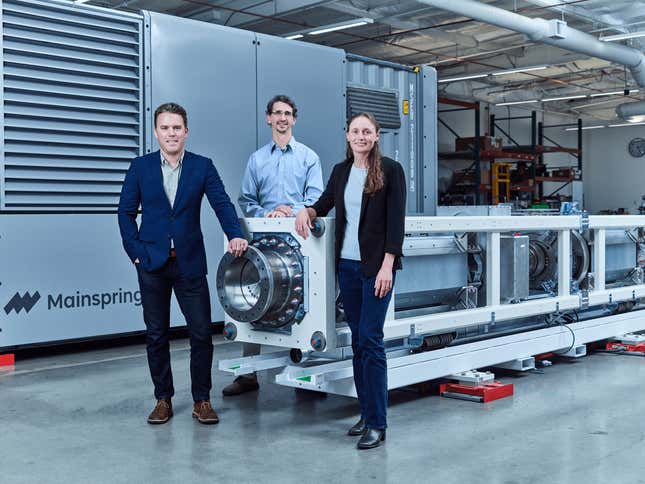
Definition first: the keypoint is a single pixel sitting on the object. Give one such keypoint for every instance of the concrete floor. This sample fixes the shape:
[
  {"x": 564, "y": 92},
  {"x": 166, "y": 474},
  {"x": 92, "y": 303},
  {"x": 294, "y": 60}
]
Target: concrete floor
[{"x": 80, "y": 418}]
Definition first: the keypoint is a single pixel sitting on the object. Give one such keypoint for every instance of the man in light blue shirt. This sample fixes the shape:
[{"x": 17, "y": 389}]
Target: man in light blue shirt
[
  {"x": 280, "y": 178},
  {"x": 284, "y": 175}
]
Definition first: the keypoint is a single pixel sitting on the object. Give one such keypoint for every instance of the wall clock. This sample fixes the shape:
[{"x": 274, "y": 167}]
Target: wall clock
[{"x": 636, "y": 147}]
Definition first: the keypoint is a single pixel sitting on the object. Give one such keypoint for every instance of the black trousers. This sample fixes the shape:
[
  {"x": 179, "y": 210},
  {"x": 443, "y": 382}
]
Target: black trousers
[{"x": 194, "y": 301}]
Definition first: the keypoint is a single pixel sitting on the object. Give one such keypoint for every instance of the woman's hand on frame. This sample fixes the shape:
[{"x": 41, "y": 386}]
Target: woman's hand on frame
[
  {"x": 303, "y": 223},
  {"x": 383, "y": 282}
]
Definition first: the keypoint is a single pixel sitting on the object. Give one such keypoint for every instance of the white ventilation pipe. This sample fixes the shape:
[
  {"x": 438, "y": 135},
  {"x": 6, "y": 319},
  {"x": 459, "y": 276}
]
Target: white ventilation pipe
[
  {"x": 632, "y": 112},
  {"x": 552, "y": 32}
]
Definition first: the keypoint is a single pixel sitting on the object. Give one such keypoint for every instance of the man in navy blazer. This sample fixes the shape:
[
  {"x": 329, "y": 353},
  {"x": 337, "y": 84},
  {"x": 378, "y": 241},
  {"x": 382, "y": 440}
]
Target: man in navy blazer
[{"x": 168, "y": 251}]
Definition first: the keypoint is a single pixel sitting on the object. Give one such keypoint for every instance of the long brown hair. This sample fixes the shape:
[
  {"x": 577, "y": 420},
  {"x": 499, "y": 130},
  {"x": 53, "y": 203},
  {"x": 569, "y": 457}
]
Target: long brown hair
[{"x": 374, "y": 180}]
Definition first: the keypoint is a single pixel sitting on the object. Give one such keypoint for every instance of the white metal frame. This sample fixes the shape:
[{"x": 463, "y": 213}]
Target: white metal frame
[
  {"x": 321, "y": 285},
  {"x": 405, "y": 369},
  {"x": 494, "y": 311}
]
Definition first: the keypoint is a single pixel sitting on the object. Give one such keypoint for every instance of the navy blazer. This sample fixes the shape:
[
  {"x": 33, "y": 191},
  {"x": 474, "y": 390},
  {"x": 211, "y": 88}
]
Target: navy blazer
[
  {"x": 381, "y": 224},
  {"x": 150, "y": 243}
]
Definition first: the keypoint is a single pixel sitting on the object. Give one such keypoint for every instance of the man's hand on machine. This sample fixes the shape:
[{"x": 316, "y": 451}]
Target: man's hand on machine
[
  {"x": 281, "y": 211},
  {"x": 237, "y": 246}
]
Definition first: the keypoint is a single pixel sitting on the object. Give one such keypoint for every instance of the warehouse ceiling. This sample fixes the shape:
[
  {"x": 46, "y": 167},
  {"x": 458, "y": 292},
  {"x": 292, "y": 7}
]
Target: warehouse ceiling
[{"x": 414, "y": 33}]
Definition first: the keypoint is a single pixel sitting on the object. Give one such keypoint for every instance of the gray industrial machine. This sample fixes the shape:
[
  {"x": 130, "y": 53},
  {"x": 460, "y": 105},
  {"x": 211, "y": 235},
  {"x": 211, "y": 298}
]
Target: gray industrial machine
[{"x": 80, "y": 84}]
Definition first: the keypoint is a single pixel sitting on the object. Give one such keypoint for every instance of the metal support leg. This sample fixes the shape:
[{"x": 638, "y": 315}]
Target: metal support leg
[
  {"x": 492, "y": 269},
  {"x": 564, "y": 262},
  {"x": 599, "y": 259},
  {"x": 251, "y": 364}
]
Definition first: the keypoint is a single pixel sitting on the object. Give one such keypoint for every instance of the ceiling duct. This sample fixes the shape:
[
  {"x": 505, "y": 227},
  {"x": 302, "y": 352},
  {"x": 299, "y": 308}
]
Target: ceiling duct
[
  {"x": 553, "y": 32},
  {"x": 632, "y": 112}
]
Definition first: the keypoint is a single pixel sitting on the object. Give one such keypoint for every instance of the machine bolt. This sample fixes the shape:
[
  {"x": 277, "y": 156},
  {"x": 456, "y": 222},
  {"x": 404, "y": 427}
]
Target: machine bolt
[
  {"x": 230, "y": 331},
  {"x": 318, "y": 341},
  {"x": 319, "y": 228}
]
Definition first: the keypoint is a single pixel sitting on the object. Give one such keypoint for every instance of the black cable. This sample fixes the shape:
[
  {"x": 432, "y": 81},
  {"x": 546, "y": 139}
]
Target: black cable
[{"x": 560, "y": 319}]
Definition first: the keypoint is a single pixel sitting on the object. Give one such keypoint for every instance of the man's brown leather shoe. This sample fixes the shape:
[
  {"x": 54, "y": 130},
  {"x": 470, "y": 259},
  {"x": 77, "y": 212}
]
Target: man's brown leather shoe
[
  {"x": 242, "y": 384},
  {"x": 204, "y": 413},
  {"x": 161, "y": 413}
]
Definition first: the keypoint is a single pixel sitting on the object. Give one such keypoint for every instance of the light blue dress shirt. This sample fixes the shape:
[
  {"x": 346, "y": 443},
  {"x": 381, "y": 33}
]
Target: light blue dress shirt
[{"x": 273, "y": 177}]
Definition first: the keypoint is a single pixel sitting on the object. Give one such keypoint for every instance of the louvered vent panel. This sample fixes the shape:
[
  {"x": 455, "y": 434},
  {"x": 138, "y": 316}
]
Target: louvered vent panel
[
  {"x": 383, "y": 104},
  {"x": 72, "y": 105}
]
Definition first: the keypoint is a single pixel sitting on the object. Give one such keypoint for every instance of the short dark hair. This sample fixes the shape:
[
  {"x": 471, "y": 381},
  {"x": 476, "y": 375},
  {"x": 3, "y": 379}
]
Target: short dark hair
[
  {"x": 172, "y": 108},
  {"x": 281, "y": 98}
]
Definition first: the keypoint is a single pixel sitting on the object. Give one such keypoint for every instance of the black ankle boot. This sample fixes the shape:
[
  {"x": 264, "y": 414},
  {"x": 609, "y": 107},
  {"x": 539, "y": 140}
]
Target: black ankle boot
[
  {"x": 371, "y": 438},
  {"x": 357, "y": 429}
]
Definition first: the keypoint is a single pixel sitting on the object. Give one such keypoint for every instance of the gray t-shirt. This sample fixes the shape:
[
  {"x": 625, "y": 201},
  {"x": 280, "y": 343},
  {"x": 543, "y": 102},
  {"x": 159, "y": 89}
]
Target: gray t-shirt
[{"x": 353, "y": 198}]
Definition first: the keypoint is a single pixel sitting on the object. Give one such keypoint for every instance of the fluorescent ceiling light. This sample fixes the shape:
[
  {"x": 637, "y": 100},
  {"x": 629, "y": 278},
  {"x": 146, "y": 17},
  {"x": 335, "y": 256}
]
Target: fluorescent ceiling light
[
  {"x": 462, "y": 78},
  {"x": 516, "y": 102},
  {"x": 563, "y": 98},
  {"x": 624, "y": 124},
  {"x": 81, "y": 1},
  {"x": 630, "y": 35},
  {"x": 514, "y": 71},
  {"x": 586, "y": 127},
  {"x": 323, "y": 29},
  {"x": 342, "y": 25},
  {"x": 500, "y": 73},
  {"x": 631, "y": 91}
]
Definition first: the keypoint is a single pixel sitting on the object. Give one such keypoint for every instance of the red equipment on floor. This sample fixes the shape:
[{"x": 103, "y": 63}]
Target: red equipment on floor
[
  {"x": 486, "y": 392},
  {"x": 628, "y": 348}
]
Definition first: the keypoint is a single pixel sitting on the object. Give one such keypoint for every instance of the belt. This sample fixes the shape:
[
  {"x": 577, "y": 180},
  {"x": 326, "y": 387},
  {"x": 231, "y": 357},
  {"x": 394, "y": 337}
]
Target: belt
[{"x": 172, "y": 254}]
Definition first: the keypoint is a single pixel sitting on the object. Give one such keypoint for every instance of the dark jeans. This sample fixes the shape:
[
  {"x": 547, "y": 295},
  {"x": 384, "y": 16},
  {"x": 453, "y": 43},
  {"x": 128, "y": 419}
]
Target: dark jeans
[
  {"x": 194, "y": 301},
  {"x": 365, "y": 315}
]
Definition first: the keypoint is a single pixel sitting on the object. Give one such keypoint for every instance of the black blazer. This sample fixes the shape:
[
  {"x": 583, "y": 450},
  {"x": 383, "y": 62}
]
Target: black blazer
[{"x": 382, "y": 220}]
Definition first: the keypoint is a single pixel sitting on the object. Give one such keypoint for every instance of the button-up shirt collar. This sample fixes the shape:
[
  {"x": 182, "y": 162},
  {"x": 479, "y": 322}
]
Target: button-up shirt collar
[
  {"x": 165, "y": 162},
  {"x": 286, "y": 148}
]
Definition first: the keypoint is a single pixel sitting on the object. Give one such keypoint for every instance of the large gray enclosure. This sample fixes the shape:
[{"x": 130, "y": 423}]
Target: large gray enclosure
[{"x": 79, "y": 86}]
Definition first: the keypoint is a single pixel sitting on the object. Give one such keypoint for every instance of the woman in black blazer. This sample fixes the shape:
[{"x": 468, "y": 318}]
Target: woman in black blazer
[{"x": 368, "y": 192}]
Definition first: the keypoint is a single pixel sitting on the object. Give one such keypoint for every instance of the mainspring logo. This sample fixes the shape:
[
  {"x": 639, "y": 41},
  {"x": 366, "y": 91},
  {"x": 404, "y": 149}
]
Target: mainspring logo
[
  {"x": 18, "y": 302},
  {"x": 77, "y": 300}
]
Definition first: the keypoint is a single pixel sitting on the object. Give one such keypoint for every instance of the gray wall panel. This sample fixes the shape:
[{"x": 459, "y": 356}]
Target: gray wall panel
[
  {"x": 63, "y": 258},
  {"x": 210, "y": 70},
  {"x": 428, "y": 162},
  {"x": 313, "y": 76},
  {"x": 403, "y": 144}
]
